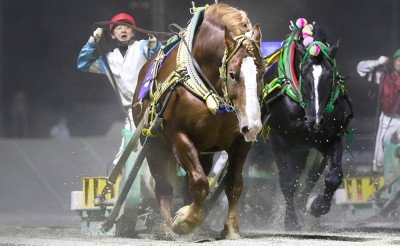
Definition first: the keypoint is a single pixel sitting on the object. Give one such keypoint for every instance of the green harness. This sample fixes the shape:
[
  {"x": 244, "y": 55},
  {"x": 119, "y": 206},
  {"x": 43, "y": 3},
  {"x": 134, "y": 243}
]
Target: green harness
[
  {"x": 287, "y": 80},
  {"x": 288, "y": 84}
]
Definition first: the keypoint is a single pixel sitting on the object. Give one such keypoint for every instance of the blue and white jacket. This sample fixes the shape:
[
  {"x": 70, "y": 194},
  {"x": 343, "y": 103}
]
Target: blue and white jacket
[{"x": 125, "y": 69}]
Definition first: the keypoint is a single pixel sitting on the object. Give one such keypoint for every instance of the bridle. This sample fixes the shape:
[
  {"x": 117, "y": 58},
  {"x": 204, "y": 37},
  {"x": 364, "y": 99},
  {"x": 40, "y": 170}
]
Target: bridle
[
  {"x": 337, "y": 79},
  {"x": 226, "y": 58}
]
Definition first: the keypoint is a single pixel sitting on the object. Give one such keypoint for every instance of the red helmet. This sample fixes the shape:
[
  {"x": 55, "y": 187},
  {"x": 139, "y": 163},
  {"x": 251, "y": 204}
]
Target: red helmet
[{"x": 121, "y": 17}]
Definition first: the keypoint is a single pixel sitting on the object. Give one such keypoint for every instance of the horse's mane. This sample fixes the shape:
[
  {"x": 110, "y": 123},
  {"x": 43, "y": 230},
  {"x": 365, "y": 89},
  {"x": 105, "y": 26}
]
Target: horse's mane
[
  {"x": 236, "y": 20},
  {"x": 320, "y": 33}
]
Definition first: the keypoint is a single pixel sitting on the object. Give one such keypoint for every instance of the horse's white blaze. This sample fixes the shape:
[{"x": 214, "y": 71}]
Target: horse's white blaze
[
  {"x": 253, "y": 112},
  {"x": 249, "y": 34},
  {"x": 317, "y": 71}
]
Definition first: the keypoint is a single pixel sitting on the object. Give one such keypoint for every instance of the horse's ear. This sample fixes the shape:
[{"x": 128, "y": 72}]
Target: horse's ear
[
  {"x": 229, "y": 41},
  {"x": 256, "y": 33},
  {"x": 334, "y": 49}
]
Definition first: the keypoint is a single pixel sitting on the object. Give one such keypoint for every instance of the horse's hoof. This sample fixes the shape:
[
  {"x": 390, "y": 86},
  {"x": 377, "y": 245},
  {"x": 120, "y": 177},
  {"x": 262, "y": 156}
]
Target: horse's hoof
[
  {"x": 229, "y": 235},
  {"x": 318, "y": 206},
  {"x": 301, "y": 200},
  {"x": 310, "y": 202},
  {"x": 164, "y": 232},
  {"x": 291, "y": 223},
  {"x": 182, "y": 223},
  {"x": 291, "y": 226}
]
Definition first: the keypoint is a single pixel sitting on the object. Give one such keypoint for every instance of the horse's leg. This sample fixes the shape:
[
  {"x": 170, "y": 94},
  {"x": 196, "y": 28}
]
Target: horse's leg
[
  {"x": 233, "y": 189},
  {"x": 187, "y": 196},
  {"x": 206, "y": 161},
  {"x": 333, "y": 178},
  {"x": 290, "y": 166},
  {"x": 311, "y": 180},
  {"x": 189, "y": 217},
  {"x": 163, "y": 188}
]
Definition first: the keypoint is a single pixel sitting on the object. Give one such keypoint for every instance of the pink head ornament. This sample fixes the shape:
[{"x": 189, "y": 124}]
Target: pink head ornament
[
  {"x": 301, "y": 22},
  {"x": 307, "y": 41},
  {"x": 314, "y": 50}
]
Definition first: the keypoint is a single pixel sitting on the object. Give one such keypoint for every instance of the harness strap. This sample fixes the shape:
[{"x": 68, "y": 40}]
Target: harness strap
[
  {"x": 208, "y": 94},
  {"x": 132, "y": 144},
  {"x": 272, "y": 58},
  {"x": 193, "y": 68},
  {"x": 172, "y": 79},
  {"x": 287, "y": 79},
  {"x": 286, "y": 62},
  {"x": 186, "y": 60},
  {"x": 175, "y": 75}
]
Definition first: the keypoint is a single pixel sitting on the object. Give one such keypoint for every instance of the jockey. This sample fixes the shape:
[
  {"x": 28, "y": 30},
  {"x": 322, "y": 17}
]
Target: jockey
[
  {"x": 389, "y": 100},
  {"x": 125, "y": 61}
]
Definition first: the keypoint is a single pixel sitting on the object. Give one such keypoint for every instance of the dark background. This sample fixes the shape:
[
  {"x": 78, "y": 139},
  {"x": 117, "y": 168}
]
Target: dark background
[{"x": 40, "y": 41}]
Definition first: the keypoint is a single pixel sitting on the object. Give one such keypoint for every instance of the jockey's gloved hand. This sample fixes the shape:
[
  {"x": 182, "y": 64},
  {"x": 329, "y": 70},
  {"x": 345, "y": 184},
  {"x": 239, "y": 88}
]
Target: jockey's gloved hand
[
  {"x": 151, "y": 42},
  {"x": 96, "y": 36},
  {"x": 382, "y": 60}
]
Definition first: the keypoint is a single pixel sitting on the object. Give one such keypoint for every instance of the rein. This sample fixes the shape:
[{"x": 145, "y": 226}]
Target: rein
[{"x": 104, "y": 24}]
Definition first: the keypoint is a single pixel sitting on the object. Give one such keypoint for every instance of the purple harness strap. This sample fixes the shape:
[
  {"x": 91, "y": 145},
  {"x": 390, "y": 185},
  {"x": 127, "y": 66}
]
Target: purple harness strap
[{"x": 144, "y": 89}]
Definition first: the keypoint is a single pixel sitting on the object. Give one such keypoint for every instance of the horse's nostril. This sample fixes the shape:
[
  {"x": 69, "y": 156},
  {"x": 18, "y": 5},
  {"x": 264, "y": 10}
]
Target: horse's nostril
[
  {"x": 305, "y": 119},
  {"x": 245, "y": 129}
]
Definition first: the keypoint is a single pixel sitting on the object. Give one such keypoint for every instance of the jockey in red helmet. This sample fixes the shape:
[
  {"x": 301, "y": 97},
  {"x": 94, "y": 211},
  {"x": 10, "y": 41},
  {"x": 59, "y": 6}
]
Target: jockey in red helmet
[
  {"x": 122, "y": 34},
  {"x": 125, "y": 61},
  {"x": 121, "y": 17}
]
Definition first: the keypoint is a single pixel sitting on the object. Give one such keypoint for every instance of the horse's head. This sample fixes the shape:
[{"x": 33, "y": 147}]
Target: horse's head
[
  {"x": 244, "y": 71},
  {"x": 318, "y": 78}
]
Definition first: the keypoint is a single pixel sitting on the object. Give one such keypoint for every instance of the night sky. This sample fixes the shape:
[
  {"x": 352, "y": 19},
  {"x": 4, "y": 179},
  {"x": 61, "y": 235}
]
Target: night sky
[{"x": 40, "y": 41}]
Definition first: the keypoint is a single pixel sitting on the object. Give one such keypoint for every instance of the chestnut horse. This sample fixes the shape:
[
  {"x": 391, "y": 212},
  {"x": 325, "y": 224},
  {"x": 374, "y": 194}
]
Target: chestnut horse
[
  {"x": 226, "y": 50},
  {"x": 306, "y": 100}
]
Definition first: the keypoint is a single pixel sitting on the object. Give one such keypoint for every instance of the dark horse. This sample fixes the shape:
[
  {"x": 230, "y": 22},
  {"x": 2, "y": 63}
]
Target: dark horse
[
  {"x": 227, "y": 116},
  {"x": 305, "y": 100}
]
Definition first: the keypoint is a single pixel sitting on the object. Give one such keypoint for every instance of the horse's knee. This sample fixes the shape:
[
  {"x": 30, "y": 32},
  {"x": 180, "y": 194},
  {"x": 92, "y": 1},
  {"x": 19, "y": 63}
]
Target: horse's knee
[
  {"x": 334, "y": 179},
  {"x": 199, "y": 187}
]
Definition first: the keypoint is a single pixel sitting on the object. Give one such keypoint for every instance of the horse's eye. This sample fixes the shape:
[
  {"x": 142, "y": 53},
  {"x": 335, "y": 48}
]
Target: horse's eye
[{"x": 232, "y": 75}]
